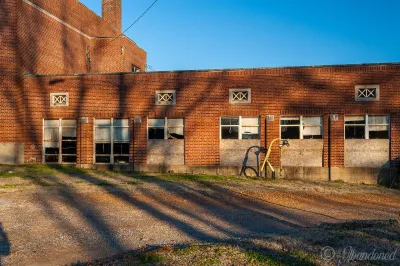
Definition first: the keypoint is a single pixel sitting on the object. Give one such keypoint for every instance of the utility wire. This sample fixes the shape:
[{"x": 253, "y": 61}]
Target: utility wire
[{"x": 144, "y": 13}]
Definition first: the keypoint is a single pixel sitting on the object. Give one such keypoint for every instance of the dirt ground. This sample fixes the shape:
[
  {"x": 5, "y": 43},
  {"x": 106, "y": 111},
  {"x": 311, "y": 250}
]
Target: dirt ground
[{"x": 59, "y": 215}]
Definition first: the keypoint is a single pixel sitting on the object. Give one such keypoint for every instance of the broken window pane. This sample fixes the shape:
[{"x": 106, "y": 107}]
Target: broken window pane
[
  {"x": 292, "y": 132},
  {"x": 156, "y": 133},
  {"x": 354, "y": 132},
  {"x": 175, "y": 132},
  {"x": 378, "y": 132},
  {"x": 229, "y": 132}
]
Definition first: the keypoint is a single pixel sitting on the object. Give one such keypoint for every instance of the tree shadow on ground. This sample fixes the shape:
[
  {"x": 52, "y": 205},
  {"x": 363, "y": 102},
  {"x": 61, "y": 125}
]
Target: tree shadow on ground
[{"x": 5, "y": 247}]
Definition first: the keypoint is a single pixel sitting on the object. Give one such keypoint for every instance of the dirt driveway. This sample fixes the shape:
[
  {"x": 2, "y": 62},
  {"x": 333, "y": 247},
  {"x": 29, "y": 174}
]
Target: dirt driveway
[{"x": 57, "y": 216}]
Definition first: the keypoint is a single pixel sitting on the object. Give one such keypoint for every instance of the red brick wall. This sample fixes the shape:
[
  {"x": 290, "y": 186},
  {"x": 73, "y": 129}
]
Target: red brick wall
[
  {"x": 33, "y": 42},
  {"x": 202, "y": 97},
  {"x": 10, "y": 100},
  {"x": 112, "y": 13},
  {"x": 47, "y": 46}
]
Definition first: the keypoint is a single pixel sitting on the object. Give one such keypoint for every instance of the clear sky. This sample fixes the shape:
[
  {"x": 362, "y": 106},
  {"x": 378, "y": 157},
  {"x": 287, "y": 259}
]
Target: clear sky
[{"x": 208, "y": 34}]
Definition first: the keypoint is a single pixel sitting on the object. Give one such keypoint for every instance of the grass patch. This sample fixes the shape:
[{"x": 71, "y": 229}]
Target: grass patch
[
  {"x": 104, "y": 184},
  {"x": 10, "y": 186},
  {"x": 170, "y": 177},
  {"x": 150, "y": 258},
  {"x": 7, "y": 174},
  {"x": 261, "y": 259}
]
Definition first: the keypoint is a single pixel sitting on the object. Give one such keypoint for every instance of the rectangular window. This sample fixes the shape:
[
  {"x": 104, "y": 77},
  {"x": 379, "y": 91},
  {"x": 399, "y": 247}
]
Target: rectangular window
[
  {"x": 135, "y": 69},
  {"x": 239, "y": 96},
  {"x": 366, "y": 127},
  {"x": 301, "y": 127},
  {"x": 165, "y": 128},
  {"x": 112, "y": 141},
  {"x": 367, "y": 92},
  {"x": 240, "y": 127},
  {"x": 59, "y": 141}
]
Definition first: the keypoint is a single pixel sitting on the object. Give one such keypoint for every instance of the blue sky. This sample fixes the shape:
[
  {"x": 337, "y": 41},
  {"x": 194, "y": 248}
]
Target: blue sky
[{"x": 208, "y": 34}]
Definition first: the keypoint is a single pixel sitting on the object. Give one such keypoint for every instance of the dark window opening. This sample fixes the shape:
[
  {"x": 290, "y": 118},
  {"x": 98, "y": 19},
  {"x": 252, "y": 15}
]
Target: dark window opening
[
  {"x": 230, "y": 132},
  {"x": 156, "y": 133},
  {"x": 135, "y": 69},
  {"x": 103, "y": 148},
  {"x": 290, "y": 132},
  {"x": 355, "y": 132}
]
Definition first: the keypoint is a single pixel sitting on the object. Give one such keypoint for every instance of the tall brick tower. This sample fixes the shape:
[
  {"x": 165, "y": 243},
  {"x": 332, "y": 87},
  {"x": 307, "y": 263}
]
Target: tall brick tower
[{"x": 112, "y": 13}]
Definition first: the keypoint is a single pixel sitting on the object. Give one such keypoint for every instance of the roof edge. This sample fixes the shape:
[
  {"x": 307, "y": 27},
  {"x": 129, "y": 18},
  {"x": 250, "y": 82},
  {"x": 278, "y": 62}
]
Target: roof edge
[{"x": 215, "y": 70}]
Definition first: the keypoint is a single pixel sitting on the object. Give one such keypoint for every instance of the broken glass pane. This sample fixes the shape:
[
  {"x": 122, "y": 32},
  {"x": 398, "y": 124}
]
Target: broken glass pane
[
  {"x": 230, "y": 132},
  {"x": 156, "y": 133},
  {"x": 290, "y": 132},
  {"x": 354, "y": 132}
]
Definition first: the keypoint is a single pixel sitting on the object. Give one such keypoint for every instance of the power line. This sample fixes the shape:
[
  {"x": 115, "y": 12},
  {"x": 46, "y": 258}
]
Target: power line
[{"x": 144, "y": 13}]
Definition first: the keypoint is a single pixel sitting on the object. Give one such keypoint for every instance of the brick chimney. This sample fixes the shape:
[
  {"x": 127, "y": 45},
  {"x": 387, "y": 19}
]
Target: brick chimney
[{"x": 112, "y": 13}]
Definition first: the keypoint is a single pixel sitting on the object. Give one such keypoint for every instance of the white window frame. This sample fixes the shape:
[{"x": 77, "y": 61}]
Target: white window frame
[
  {"x": 173, "y": 102},
  {"x": 60, "y": 154},
  {"x": 366, "y": 124},
  {"x": 165, "y": 127},
  {"x": 240, "y": 130},
  {"x": 301, "y": 126},
  {"x": 233, "y": 101},
  {"x": 58, "y": 94},
  {"x": 112, "y": 141},
  {"x": 367, "y": 99}
]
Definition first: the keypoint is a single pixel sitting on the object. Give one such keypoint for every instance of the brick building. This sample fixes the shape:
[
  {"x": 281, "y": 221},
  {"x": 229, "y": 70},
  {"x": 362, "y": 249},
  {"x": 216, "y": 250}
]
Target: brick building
[{"x": 74, "y": 91}]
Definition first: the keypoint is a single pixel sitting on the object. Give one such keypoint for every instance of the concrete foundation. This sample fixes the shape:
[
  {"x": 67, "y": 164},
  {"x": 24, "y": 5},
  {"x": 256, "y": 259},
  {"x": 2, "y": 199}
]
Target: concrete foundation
[
  {"x": 11, "y": 153},
  {"x": 381, "y": 176}
]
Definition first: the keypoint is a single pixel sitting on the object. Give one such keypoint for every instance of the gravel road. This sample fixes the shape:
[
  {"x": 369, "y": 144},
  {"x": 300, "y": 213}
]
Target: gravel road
[{"x": 65, "y": 218}]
